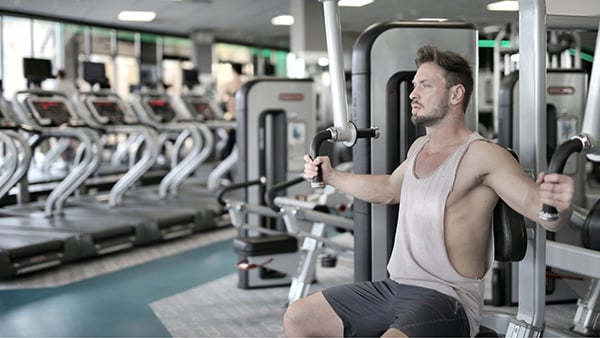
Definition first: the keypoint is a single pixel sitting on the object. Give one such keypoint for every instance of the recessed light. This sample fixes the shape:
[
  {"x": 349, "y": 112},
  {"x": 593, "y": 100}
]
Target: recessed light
[
  {"x": 354, "y": 3},
  {"x": 140, "y": 16},
  {"x": 282, "y": 20},
  {"x": 433, "y": 19},
  {"x": 507, "y": 5}
]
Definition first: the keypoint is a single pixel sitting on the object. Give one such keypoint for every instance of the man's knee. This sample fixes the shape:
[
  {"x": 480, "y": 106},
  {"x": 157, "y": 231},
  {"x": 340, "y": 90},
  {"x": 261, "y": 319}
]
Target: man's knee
[
  {"x": 311, "y": 316},
  {"x": 295, "y": 316},
  {"x": 293, "y": 319}
]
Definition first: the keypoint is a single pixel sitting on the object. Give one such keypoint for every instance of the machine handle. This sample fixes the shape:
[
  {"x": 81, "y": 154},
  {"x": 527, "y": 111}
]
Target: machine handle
[
  {"x": 372, "y": 132},
  {"x": 315, "y": 144},
  {"x": 270, "y": 194},
  {"x": 557, "y": 165},
  {"x": 332, "y": 134},
  {"x": 262, "y": 180}
]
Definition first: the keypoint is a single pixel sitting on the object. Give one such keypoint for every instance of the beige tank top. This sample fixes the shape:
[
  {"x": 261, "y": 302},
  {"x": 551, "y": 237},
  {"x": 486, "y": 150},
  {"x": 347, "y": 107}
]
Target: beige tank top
[{"x": 419, "y": 256}]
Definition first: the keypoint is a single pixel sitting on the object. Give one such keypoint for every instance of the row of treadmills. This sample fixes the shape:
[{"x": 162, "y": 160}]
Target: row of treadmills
[{"x": 72, "y": 222}]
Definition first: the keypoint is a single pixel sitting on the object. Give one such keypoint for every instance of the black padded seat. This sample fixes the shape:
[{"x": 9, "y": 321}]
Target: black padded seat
[{"x": 265, "y": 245}]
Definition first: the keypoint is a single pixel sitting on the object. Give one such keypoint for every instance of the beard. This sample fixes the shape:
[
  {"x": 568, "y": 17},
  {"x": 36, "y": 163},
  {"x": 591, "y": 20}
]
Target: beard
[{"x": 428, "y": 120}]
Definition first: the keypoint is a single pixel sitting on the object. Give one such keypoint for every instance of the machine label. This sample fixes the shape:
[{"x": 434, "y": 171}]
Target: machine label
[
  {"x": 291, "y": 97},
  {"x": 561, "y": 90}
]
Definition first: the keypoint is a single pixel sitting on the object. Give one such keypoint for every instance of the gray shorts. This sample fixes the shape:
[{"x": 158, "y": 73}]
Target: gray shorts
[{"x": 368, "y": 309}]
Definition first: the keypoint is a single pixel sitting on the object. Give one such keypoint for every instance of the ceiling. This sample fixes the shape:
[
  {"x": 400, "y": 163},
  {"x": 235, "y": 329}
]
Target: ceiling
[{"x": 248, "y": 21}]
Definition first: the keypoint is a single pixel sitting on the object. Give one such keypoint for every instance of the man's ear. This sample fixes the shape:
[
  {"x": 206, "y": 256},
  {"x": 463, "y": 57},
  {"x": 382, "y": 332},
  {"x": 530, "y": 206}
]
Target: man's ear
[{"x": 457, "y": 94}]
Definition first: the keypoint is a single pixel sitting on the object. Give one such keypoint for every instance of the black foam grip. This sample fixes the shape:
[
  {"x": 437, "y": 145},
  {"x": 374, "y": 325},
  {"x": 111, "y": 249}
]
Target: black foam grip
[{"x": 557, "y": 165}]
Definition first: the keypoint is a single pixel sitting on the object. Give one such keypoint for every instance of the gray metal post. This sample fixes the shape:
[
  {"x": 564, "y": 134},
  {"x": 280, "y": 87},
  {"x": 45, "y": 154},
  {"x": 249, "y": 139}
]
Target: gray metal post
[
  {"x": 343, "y": 130},
  {"x": 532, "y": 151}
]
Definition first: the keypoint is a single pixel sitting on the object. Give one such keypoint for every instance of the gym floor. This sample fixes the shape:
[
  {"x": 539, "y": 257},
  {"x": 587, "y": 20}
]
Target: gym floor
[
  {"x": 115, "y": 302},
  {"x": 120, "y": 295}
]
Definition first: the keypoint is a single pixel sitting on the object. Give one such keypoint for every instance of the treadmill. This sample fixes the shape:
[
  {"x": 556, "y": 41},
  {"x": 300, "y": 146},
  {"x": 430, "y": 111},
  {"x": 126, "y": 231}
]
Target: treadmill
[
  {"x": 156, "y": 109},
  {"x": 24, "y": 251},
  {"x": 172, "y": 219},
  {"x": 192, "y": 106},
  {"x": 50, "y": 114}
]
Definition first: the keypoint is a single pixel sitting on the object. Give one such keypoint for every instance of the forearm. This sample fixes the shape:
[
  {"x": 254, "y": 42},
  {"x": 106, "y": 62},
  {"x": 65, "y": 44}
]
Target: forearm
[{"x": 368, "y": 188}]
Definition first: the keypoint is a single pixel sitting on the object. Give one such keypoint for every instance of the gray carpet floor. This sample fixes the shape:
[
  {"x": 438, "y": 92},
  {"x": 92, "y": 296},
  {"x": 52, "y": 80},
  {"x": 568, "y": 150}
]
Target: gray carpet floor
[{"x": 220, "y": 309}]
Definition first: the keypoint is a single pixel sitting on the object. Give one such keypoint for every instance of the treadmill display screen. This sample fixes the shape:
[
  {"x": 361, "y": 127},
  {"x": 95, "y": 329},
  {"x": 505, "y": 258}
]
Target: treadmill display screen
[
  {"x": 162, "y": 109},
  {"x": 203, "y": 109},
  {"x": 56, "y": 112},
  {"x": 110, "y": 110}
]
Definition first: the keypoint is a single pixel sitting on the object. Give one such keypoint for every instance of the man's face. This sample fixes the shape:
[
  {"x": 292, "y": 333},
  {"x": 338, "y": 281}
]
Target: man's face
[{"x": 430, "y": 96}]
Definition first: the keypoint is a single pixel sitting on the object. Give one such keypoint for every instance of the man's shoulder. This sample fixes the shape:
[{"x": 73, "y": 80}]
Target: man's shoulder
[{"x": 488, "y": 152}]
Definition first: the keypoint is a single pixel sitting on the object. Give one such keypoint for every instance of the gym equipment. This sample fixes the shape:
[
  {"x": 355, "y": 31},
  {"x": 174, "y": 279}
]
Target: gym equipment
[
  {"x": 24, "y": 251},
  {"x": 49, "y": 112},
  {"x": 292, "y": 252},
  {"x": 155, "y": 109},
  {"x": 274, "y": 117},
  {"x": 530, "y": 318},
  {"x": 167, "y": 218},
  {"x": 46, "y": 114},
  {"x": 566, "y": 91},
  {"x": 192, "y": 106}
]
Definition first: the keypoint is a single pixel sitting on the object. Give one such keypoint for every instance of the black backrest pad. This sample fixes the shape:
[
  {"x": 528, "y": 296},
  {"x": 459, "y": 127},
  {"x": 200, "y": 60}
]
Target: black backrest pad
[{"x": 510, "y": 238}]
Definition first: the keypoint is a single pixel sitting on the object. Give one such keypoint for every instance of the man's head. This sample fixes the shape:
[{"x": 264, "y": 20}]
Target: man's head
[
  {"x": 61, "y": 74},
  {"x": 457, "y": 70}
]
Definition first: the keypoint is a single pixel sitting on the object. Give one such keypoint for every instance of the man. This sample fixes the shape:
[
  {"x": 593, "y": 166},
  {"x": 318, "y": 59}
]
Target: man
[
  {"x": 447, "y": 189},
  {"x": 64, "y": 85}
]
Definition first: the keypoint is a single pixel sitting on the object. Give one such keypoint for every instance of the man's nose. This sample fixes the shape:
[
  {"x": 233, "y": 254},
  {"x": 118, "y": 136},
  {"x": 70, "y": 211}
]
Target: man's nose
[{"x": 412, "y": 95}]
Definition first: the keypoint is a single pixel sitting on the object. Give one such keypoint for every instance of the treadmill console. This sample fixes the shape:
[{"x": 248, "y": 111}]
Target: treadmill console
[
  {"x": 161, "y": 109},
  {"x": 51, "y": 112},
  {"x": 108, "y": 111},
  {"x": 200, "y": 108}
]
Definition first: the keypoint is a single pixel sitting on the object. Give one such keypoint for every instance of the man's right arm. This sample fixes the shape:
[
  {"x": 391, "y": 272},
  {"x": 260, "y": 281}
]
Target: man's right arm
[{"x": 380, "y": 189}]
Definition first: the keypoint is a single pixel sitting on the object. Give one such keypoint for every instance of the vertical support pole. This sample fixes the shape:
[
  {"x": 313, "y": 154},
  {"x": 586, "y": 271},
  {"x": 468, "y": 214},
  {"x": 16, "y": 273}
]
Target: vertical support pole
[
  {"x": 336, "y": 63},
  {"x": 532, "y": 152}
]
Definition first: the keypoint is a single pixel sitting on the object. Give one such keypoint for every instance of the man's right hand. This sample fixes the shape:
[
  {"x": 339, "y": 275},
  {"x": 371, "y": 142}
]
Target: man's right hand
[{"x": 311, "y": 167}]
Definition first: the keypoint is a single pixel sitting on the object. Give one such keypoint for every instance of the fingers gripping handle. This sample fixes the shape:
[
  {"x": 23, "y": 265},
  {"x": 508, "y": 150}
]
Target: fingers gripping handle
[
  {"x": 317, "y": 181},
  {"x": 322, "y": 136},
  {"x": 557, "y": 165}
]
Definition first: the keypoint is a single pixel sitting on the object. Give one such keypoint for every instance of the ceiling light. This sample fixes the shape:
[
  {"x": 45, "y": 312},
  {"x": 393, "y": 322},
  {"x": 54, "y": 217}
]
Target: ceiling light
[
  {"x": 323, "y": 61},
  {"x": 509, "y": 5},
  {"x": 354, "y": 3},
  {"x": 283, "y": 20},
  {"x": 433, "y": 19},
  {"x": 143, "y": 16}
]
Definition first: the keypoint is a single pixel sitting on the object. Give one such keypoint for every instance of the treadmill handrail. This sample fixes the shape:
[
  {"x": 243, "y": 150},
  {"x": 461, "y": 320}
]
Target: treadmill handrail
[{"x": 22, "y": 163}]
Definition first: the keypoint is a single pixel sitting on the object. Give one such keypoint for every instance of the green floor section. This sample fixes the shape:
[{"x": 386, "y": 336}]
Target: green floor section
[{"x": 115, "y": 304}]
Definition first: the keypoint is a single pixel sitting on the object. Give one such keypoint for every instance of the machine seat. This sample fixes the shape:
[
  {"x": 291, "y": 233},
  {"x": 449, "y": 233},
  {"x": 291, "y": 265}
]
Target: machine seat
[{"x": 265, "y": 245}]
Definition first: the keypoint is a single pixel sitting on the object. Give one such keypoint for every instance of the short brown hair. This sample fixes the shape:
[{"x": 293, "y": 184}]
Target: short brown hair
[{"x": 458, "y": 70}]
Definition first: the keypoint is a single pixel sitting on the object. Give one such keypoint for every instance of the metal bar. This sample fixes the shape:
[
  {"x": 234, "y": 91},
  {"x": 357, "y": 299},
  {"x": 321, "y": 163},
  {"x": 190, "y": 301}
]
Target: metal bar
[
  {"x": 532, "y": 150},
  {"x": 336, "y": 63}
]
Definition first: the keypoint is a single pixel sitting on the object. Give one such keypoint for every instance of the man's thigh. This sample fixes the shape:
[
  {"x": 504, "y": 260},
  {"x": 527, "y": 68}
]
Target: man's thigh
[{"x": 369, "y": 309}]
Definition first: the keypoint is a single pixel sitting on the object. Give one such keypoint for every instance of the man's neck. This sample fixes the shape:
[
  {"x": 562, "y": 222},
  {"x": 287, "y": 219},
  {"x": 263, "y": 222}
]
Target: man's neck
[{"x": 446, "y": 136}]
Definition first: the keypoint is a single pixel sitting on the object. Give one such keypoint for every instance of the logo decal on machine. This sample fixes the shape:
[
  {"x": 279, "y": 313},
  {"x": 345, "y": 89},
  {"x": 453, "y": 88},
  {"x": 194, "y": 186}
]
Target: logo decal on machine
[
  {"x": 291, "y": 97},
  {"x": 561, "y": 90}
]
